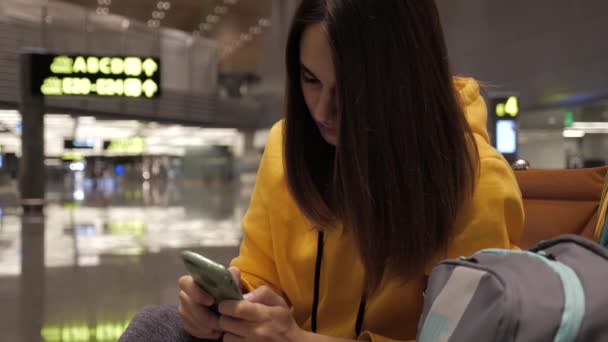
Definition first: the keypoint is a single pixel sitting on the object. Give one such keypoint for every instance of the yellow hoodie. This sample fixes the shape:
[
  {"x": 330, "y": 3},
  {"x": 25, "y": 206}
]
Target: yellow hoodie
[{"x": 279, "y": 248}]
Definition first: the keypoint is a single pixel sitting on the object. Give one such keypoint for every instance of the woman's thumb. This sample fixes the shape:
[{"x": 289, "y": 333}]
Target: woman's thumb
[{"x": 264, "y": 295}]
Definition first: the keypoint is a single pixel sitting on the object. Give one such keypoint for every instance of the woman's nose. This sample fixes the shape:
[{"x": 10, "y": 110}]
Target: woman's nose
[{"x": 326, "y": 109}]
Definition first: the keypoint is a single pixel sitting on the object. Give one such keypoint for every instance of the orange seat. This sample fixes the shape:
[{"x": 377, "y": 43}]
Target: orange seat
[{"x": 560, "y": 202}]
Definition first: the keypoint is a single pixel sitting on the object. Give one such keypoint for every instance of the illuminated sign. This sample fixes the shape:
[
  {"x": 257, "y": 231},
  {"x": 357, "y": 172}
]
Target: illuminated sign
[
  {"x": 132, "y": 228},
  {"x": 568, "y": 119},
  {"x": 72, "y": 156},
  {"x": 502, "y": 128},
  {"x": 510, "y": 107},
  {"x": 72, "y": 205},
  {"x": 506, "y": 136},
  {"x": 62, "y": 75},
  {"x": 83, "y": 332},
  {"x": 134, "y": 145}
]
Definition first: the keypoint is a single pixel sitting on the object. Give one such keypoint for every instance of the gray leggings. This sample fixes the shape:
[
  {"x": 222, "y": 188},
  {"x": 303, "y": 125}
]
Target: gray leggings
[{"x": 157, "y": 324}]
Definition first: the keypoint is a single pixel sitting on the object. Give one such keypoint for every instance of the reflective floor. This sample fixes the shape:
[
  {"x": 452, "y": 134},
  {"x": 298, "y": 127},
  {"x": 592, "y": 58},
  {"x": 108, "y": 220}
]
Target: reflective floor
[{"x": 102, "y": 251}]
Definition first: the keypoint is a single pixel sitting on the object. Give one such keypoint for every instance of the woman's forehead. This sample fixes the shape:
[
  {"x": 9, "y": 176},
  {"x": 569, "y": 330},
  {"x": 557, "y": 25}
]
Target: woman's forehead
[{"x": 316, "y": 53}]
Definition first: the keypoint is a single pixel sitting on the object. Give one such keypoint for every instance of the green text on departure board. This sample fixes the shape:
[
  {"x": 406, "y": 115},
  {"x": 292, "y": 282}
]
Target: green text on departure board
[{"x": 69, "y": 75}]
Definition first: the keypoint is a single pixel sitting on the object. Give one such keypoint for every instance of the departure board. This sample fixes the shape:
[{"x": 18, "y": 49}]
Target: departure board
[{"x": 86, "y": 75}]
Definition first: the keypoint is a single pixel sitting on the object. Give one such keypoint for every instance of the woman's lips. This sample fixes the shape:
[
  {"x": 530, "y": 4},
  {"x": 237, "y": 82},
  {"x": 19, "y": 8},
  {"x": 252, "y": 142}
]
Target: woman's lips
[{"x": 328, "y": 130}]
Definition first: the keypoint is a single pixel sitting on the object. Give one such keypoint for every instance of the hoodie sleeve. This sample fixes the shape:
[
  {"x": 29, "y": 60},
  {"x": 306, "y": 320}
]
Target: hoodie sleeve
[{"x": 256, "y": 259}]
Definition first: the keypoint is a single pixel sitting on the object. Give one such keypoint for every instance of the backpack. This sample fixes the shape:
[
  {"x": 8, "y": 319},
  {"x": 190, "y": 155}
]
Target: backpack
[{"x": 557, "y": 291}]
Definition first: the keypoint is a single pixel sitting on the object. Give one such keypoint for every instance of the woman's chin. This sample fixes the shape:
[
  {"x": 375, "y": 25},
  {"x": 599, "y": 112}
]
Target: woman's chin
[
  {"x": 330, "y": 136},
  {"x": 330, "y": 139}
]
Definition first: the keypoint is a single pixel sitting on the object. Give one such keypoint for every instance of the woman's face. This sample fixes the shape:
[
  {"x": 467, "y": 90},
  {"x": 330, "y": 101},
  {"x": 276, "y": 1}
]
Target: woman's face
[{"x": 318, "y": 81}]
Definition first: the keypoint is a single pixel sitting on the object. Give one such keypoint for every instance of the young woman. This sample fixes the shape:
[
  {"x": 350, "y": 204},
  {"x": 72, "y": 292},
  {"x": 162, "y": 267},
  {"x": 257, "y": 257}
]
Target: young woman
[{"x": 380, "y": 169}]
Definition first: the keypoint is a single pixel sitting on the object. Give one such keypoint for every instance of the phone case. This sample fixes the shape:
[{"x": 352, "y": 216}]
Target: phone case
[{"x": 211, "y": 277}]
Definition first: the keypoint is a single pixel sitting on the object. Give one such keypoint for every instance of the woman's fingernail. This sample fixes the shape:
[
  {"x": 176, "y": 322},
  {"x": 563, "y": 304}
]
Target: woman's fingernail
[{"x": 247, "y": 296}]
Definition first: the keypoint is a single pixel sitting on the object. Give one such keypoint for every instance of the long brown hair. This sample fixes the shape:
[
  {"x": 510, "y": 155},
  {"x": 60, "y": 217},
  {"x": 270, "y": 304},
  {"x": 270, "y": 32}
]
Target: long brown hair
[{"x": 405, "y": 160}]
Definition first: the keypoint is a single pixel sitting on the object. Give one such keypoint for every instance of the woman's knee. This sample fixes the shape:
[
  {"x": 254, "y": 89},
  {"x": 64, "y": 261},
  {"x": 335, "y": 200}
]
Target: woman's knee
[
  {"x": 154, "y": 323},
  {"x": 158, "y": 313}
]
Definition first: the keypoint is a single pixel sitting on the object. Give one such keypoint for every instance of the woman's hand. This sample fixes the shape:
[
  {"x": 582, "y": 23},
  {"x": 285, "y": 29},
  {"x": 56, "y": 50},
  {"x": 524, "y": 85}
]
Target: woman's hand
[
  {"x": 263, "y": 316},
  {"x": 194, "y": 302}
]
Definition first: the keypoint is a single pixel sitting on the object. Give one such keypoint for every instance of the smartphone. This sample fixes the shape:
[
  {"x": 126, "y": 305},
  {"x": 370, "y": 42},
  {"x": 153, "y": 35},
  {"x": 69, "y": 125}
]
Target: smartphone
[{"x": 212, "y": 277}]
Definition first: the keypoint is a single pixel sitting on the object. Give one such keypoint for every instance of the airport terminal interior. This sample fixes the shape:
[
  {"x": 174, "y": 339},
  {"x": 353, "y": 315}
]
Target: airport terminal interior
[{"x": 154, "y": 147}]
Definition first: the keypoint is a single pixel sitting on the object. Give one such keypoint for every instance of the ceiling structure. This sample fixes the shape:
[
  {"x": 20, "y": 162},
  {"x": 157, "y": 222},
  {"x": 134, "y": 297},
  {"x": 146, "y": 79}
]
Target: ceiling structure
[
  {"x": 549, "y": 54},
  {"x": 237, "y": 25},
  {"x": 552, "y": 54}
]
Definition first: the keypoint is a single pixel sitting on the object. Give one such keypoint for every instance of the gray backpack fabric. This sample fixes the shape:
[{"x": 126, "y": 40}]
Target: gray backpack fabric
[{"x": 557, "y": 291}]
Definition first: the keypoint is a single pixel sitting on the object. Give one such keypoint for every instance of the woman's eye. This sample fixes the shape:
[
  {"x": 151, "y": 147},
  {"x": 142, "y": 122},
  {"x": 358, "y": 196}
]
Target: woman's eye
[{"x": 308, "y": 78}]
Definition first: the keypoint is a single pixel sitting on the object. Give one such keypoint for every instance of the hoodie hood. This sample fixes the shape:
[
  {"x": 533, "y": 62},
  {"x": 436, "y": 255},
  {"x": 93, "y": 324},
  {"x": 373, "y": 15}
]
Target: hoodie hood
[{"x": 474, "y": 106}]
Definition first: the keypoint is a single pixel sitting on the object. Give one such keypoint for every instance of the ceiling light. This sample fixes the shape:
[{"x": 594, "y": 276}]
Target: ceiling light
[
  {"x": 573, "y": 133},
  {"x": 125, "y": 24},
  {"x": 255, "y": 30},
  {"x": 163, "y": 5},
  {"x": 158, "y": 15},
  {"x": 102, "y": 10},
  {"x": 153, "y": 23},
  {"x": 87, "y": 119},
  {"x": 213, "y": 19},
  {"x": 264, "y": 22},
  {"x": 245, "y": 37},
  {"x": 221, "y": 10},
  {"x": 226, "y": 51},
  {"x": 590, "y": 125}
]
